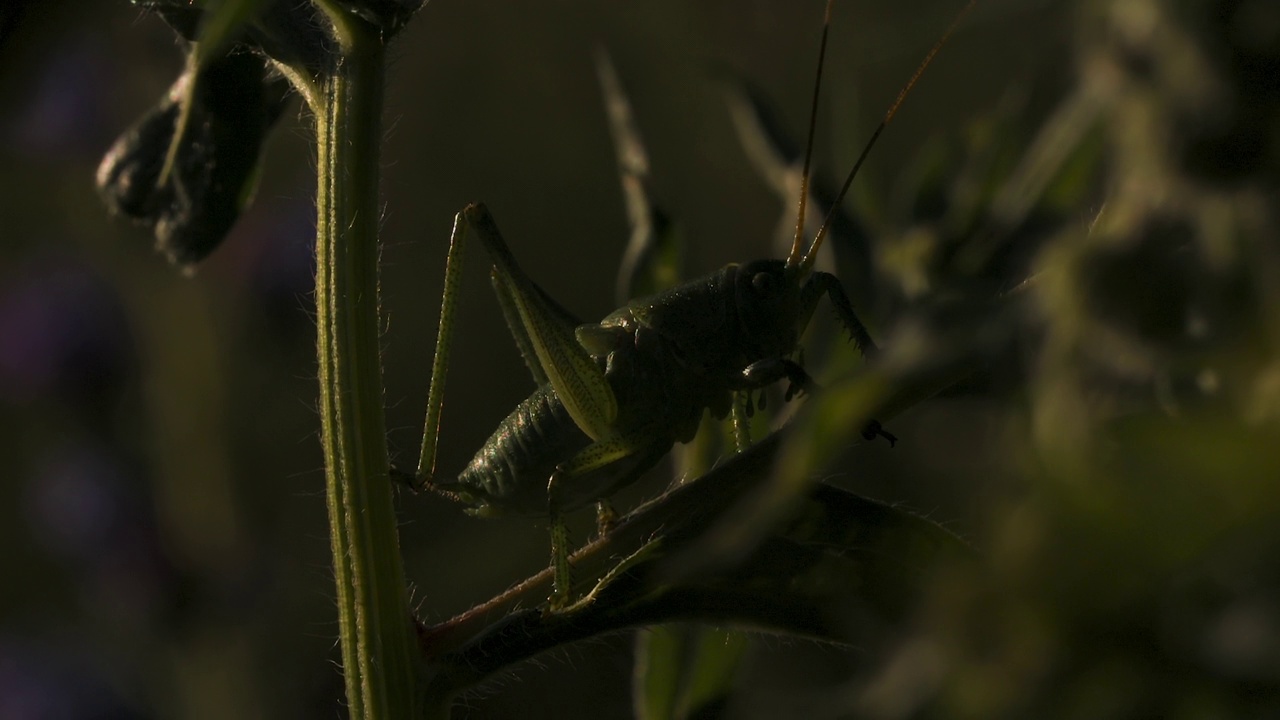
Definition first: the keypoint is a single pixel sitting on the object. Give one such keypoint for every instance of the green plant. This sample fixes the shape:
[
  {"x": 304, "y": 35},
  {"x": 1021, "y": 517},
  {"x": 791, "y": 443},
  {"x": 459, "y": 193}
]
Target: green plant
[{"x": 1128, "y": 355}]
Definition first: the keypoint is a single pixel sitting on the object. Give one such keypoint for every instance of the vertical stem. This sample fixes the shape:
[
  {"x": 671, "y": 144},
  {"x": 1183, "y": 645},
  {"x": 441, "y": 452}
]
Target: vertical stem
[{"x": 378, "y": 649}]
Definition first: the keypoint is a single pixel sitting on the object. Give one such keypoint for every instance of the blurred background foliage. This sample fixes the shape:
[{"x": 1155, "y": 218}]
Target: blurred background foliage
[{"x": 1080, "y": 198}]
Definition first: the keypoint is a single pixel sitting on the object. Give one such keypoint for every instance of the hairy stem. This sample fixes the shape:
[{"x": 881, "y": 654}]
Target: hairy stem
[{"x": 377, "y": 635}]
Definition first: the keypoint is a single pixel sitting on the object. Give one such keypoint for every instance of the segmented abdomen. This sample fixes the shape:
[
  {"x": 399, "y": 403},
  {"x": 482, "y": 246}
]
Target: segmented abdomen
[{"x": 510, "y": 472}]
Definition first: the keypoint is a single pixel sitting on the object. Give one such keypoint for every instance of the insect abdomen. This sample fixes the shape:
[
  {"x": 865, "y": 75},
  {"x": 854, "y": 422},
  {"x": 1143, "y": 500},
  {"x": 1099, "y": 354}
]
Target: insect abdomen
[{"x": 509, "y": 474}]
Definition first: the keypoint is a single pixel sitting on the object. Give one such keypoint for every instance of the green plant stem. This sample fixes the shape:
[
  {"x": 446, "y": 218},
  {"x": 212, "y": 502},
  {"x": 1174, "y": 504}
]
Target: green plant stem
[{"x": 377, "y": 634}]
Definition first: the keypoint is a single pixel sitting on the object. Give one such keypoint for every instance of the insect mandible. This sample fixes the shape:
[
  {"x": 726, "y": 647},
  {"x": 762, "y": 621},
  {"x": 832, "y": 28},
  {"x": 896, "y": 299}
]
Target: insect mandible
[{"x": 613, "y": 397}]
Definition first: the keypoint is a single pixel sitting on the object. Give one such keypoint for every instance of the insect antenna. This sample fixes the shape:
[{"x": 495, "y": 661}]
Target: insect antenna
[
  {"x": 812, "y": 254},
  {"x": 793, "y": 258}
]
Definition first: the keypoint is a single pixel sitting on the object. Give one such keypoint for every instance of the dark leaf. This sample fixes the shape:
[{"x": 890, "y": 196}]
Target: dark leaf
[{"x": 193, "y": 207}]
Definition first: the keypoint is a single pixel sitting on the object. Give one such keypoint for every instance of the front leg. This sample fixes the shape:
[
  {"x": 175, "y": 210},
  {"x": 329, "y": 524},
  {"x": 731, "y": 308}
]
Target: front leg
[
  {"x": 819, "y": 284},
  {"x": 768, "y": 371}
]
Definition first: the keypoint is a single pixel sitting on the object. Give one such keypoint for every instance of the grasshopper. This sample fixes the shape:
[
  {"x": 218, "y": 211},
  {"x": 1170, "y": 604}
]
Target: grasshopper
[{"x": 615, "y": 396}]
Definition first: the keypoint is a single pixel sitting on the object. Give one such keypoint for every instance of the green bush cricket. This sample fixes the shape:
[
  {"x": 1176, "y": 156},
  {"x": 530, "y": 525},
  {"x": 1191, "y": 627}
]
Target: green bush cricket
[{"x": 615, "y": 396}]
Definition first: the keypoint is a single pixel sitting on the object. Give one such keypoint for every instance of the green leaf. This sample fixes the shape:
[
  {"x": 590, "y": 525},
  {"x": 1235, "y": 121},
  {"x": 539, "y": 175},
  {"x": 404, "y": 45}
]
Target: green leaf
[
  {"x": 685, "y": 670},
  {"x": 655, "y": 683},
  {"x": 837, "y": 564},
  {"x": 187, "y": 168},
  {"x": 712, "y": 670}
]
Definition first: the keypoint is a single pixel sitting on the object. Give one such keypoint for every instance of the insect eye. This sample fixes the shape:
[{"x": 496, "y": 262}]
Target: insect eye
[{"x": 762, "y": 282}]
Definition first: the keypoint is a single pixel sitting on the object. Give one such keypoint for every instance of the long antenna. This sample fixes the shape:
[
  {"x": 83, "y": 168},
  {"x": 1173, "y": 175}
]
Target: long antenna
[
  {"x": 793, "y": 258},
  {"x": 812, "y": 254}
]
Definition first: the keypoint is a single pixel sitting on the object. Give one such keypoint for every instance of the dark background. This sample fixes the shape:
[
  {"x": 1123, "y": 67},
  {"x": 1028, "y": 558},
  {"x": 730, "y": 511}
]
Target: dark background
[{"x": 162, "y": 507}]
